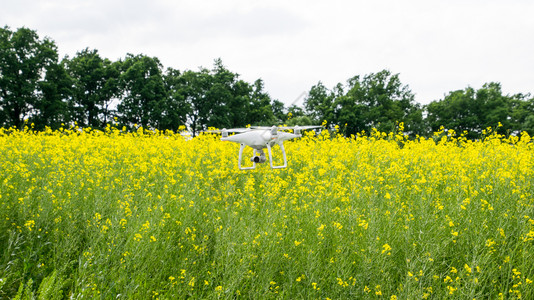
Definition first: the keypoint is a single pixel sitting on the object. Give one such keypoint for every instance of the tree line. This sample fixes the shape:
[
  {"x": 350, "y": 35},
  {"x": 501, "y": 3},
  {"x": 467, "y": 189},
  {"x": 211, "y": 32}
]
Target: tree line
[
  {"x": 380, "y": 100},
  {"x": 89, "y": 90}
]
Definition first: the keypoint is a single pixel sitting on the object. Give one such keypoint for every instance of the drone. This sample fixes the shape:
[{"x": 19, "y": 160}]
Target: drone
[{"x": 259, "y": 138}]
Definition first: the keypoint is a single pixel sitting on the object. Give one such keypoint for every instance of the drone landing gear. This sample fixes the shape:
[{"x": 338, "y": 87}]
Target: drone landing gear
[
  {"x": 254, "y": 161},
  {"x": 261, "y": 157},
  {"x": 271, "y": 156}
]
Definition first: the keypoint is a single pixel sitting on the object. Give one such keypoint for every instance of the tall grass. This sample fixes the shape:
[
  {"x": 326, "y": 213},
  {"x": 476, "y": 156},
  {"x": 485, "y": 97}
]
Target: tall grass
[{"x": 90, "y": 214}]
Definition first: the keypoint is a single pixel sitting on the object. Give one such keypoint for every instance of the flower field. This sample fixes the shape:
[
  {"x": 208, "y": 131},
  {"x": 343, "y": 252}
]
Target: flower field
[{"x": 92, "y": 214}]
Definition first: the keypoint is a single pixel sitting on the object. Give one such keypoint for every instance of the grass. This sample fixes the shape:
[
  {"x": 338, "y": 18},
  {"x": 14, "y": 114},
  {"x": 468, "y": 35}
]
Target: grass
[{"x": 89, "y": 214}]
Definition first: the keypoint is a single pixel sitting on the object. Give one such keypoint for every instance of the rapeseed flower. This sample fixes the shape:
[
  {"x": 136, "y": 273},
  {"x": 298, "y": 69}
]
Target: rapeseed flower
[{"x": 348, "y": 218}]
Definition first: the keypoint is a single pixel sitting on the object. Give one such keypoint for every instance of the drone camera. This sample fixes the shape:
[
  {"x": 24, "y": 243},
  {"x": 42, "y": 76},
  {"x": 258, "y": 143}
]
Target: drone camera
[{"x": 258, "y": 159}]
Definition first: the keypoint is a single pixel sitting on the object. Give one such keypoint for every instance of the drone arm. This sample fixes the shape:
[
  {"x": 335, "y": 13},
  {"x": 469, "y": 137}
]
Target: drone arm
[
  {"x": 241, "y": 155},
  {"x": 281, "y": 144}
]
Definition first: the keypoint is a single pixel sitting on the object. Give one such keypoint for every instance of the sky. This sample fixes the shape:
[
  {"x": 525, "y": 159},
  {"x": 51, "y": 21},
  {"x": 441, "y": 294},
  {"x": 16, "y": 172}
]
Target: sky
[{"x": 435, "y": 46}]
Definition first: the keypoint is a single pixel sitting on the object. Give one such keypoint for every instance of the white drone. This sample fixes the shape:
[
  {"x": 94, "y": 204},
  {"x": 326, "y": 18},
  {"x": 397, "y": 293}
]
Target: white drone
[{"x": 259, "y": 138}]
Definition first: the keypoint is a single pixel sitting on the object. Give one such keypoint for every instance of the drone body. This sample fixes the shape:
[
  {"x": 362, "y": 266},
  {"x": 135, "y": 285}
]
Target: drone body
[{"x": 259, "y": 138}]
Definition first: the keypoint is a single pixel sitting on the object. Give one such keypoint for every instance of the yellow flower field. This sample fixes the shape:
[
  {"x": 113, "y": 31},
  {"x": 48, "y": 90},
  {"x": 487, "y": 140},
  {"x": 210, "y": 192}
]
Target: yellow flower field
[{"x": 92, "y": 214}]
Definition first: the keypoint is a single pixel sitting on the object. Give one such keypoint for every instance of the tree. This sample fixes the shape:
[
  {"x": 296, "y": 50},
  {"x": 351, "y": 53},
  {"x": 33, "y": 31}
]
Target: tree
[
  {"x": 175, "y": 108},
  {"x": 278, "y": 111},
  {"x": 505, "y": 113},
  {"x": 24, "y": 61},
  {"x": 523, "y": 114},
  {"x": 260, "y": 110},
  {"x": 458, "y": 111},
  {"x": 227, "y": 98},
  {"x": 234, "y": 102},
  {"x": 52, "y": 108},
  {"x": 295, "y": 111},
  {"x": 218, "y": 98},
  {"x": 319, "y": 104},
  {"x": 383, "y": 101},
  {"x": 297, "y": 116},
  {"x": 144, "y": 92},
  {"x": 348, "y": 113},
  {"x": 195, "y": 86},
  {"x": 378, "y": 100},
  {"x": 95, "y": 85},
  {"x": 475, "y": 110}
]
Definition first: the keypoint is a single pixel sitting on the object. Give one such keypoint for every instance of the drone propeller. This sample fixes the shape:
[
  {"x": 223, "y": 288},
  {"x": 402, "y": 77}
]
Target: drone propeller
[
  {"x": 288, "y": 127},
  {"x": 304, "y": 127},
  {"x": 226, "y": 130},
  {"x": 296, "y": 129}
]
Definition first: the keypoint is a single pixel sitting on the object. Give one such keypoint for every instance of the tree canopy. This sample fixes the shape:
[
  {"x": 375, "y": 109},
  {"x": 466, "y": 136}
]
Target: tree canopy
[
  {"x": 378, "y": 100},
  {"x": 91, "y": 90},
  {"x": 472, "y": 111},
  {"x": 24, "y": 60}
]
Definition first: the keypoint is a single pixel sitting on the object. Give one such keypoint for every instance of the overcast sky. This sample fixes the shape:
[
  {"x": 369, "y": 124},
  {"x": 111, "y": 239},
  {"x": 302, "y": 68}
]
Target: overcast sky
[{"x": 435, "y": 46}]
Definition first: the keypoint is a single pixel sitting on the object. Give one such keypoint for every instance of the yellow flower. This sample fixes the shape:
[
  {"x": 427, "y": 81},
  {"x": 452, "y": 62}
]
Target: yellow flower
[
  {"x": 386, "y": 248},
  {"x": 378, "y": 292},
  {"x": 189, "y": 192},
  {"x": 467, "y": 268},
  {"x": 30, "y": 224}
]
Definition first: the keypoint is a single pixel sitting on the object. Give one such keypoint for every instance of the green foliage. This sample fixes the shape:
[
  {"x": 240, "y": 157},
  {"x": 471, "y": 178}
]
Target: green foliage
[
  {"x": 278, "y": 111},
  {"x": 176, "y": 106},
  {"x": 226, "y": 95},
  {"x": 473, "y": 111},
  {"x": 95, "y": 83},
  {"x": 140, "y": 216},
  {"x": 217, "y": 98},
  {"x": 24, "y": 59},
  {"x": 260, "y": 110},
  {"x": 51, "y": 287},
  {"x": 53, "y": 109},
  {"x": 522, "y": 114},
  {"x": 319, "y": 103},
  {"x": 25, "y": 291},
  {"x": 144, "y": 91},
  {"x": 378, "y": 100},
  {"x": 2, "y": 283},
  {"x": 91, "y": 91}
]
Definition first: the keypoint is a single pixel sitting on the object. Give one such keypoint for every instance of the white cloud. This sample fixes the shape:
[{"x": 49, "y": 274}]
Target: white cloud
[{"x": 436, "y": 46}]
